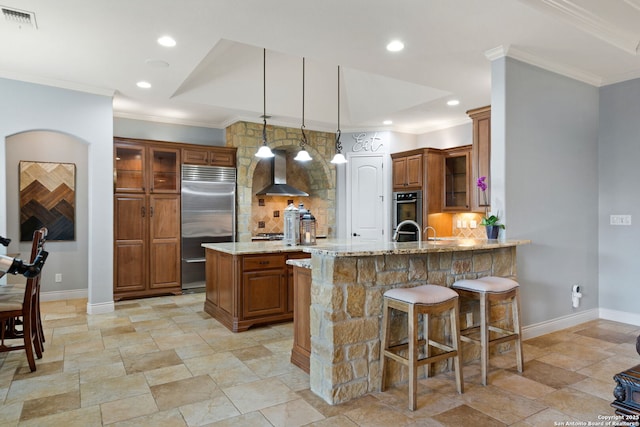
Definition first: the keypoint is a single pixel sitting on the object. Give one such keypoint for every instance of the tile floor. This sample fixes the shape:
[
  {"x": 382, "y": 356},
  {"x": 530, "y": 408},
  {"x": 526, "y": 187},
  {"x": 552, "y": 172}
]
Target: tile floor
[{"x": 164, "y": 362}]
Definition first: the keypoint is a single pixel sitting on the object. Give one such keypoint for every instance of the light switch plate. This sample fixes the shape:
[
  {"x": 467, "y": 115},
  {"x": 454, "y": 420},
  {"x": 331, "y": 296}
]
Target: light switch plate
[
  {"x": 473, "y": 224},
  {"x": 620, "y": 220}
]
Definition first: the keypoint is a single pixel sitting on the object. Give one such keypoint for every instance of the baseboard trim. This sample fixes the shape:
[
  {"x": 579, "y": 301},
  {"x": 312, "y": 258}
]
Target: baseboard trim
[
  {"x": 102, "y": 308},
  {"x": 63, "y": 295},
  {"x": 620, "y": 316},
  {"x": 553, "y": 325}
]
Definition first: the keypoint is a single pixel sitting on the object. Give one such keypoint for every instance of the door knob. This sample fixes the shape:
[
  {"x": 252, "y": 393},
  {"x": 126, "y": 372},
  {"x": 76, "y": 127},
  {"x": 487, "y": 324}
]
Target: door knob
[{"x": 355, "y": 235}]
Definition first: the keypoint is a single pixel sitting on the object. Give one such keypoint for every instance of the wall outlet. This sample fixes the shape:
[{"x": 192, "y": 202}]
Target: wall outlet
[
  {"x": 458, "y": 224},
  {"x": 58, "y": 277},
  {"x": 620, "y": 220},
  {"x": 473, "y": 224}
]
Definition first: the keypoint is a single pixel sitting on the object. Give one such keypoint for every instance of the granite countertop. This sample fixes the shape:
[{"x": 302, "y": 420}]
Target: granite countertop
[
  {"x": 335, "y": 247},
  {"x": 303, "y": 262}
]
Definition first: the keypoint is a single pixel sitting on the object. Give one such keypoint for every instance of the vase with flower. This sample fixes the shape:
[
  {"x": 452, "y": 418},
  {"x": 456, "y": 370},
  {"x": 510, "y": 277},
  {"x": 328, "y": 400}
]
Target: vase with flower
[{"x": 490, "y": 222}]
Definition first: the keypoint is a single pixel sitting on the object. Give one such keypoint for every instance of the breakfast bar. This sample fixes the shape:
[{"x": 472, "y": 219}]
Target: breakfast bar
[{"x": 349, "y": 279}]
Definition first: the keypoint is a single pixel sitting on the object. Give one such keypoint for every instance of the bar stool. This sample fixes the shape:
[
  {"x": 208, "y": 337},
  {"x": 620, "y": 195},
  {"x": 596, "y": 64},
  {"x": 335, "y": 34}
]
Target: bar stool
[
  {"x": 426, "y": 300},
  {"x": 487, "y": 290}
]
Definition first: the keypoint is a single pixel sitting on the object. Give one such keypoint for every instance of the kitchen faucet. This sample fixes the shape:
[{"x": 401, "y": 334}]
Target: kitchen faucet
[
  {"x": 407, "y": 221},
  {"x": 426, "y": 234}
]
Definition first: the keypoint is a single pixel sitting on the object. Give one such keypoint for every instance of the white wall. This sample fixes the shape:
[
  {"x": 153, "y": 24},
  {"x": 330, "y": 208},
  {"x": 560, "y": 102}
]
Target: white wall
[
  {"x": 544, "y": 180},
  {"x": 619, "y": 175},
  {"x": 447, "y": 138},
  {"x": 88, "y": 118},
  {"x": 129, "y": 128}
]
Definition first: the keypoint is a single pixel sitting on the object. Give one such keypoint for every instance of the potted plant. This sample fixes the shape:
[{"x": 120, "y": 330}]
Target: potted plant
[{"x": 490, "y": 222}]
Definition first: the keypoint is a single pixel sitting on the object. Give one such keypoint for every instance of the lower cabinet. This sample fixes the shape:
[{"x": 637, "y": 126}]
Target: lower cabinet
[
  {"x": 247, "y": 290},
  {"x": 301, "y": 351},
  {"x": 146, "y": 245}
]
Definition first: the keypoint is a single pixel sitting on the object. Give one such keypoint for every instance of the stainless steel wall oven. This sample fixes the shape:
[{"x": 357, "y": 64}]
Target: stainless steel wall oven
[{"x": 407, "y": 205}]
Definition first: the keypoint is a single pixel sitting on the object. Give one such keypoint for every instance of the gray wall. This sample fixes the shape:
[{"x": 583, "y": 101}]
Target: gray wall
[
  {"x": 85, "y": 117},
  {"x": 129, "y": 128},
  {"x": 547, "y": 183},
  {"x": 67, "y": 258},
  {"x": 619, "y": 175}
]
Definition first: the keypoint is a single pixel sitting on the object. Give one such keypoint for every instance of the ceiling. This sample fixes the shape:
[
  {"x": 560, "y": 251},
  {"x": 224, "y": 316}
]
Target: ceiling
[{"x": 213, "y": 77}]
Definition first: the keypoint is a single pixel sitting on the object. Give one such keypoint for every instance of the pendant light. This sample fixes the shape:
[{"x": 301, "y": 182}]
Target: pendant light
[
  {"x": 303, "y": 156},
  {"x": 264, "y": 151},
  {"x": 339, "y": 157}
]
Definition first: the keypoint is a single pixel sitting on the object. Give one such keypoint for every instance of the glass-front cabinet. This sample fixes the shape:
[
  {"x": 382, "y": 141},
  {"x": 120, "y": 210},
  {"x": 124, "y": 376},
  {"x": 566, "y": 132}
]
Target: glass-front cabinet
[
  {"x": 457, "y": 180},
  {"x": 142, "y": 169}
]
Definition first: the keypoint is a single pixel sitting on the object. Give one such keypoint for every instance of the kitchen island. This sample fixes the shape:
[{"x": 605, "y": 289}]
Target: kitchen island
[{"x": 349, "y": 279}]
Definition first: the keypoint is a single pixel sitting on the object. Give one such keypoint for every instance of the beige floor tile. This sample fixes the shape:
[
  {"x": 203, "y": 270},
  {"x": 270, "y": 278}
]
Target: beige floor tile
[
  {"x": 87, "y": 346},
  {"x": 596, "y": 387},
  {"x": 271, "y": 366},
  {"x": 520, "y": 385},
  {"x": 189, "y": 352},
  {"x": 250, "y": 353},
  {"x": 149, "y": 346},
  {"x": 35, "y": 408},
  {"x": 150, "y": 361},
  {"x": 501, "y": 405},
  {"x": 550, "y": 375},
  {"x": 167, "y": 374},
  {"x": 169, "y": 418},
  {"x": 103, "y": 372},
  {"x": 178, "y": 340},
  {"x": 49, "y": 385},
  {"x": 77, "y": 362},
  {"x": 606, "y": 369},
  {"x": 224, "y": 368},
  {"x": 294, "y": 413},
  {"x": 83, "y": 417},
  {"x": 183, "y": 392},
  {"x": 548, "y": 417},
  {"x": 296, "y": 380},
  {"x": 125, "y": 340},
  {"x": 252, "y": 419},
  {"x": 259, "y": 394},
  {"x": 464, "y": 415},
  {"x": 337, "y": 421},
  {"x": 125, "y": 409},
  {"x": 10, "y": 413},
  {"x": 378, "y": 414},
  {"x": 577, "y": 404},
  {"x": 209, "y": 411},
  {"x": 107, "y": 390}
]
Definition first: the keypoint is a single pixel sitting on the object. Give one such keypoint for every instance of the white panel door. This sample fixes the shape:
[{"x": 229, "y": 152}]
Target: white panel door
[{"x": 366, "y": 197}]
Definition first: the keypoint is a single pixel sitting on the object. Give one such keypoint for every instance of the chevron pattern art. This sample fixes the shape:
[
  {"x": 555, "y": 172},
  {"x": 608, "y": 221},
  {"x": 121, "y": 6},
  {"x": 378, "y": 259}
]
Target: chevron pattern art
[{"x": 47, "y": 199}]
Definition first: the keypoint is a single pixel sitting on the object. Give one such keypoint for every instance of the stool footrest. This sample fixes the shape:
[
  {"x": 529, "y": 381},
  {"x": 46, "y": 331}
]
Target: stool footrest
[{"x": 425, "y": 360}]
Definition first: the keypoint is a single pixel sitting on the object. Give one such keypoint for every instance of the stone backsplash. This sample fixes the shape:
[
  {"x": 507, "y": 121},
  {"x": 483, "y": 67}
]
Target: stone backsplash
[{"x": 318, "y": 175}]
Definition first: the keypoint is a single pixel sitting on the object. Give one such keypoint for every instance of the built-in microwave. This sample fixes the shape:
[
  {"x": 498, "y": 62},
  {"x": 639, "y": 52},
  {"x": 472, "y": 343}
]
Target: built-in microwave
[{"x": 407, "y": 205}]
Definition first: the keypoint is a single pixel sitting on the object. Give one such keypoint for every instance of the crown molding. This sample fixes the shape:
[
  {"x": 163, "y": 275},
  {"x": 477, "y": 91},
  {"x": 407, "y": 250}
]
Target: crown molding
[
  {"x": 590, "y": 22},
  {"x": 529, "y": 58},
  {"x": 61, "y": 84}
]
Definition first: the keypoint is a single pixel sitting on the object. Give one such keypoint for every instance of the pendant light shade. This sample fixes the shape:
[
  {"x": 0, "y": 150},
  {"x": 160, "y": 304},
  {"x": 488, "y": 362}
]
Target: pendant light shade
[
  {"x": 303, "y": 156},
  {"x": 264, "y": 151},
  {"x": 339, "y": 157}
]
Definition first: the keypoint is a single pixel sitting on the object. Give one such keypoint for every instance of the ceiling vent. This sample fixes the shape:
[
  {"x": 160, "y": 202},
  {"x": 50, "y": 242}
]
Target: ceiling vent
[{"x": 21, "y": 18}]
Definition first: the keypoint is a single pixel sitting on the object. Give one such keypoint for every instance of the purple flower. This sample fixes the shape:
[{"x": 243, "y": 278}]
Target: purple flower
[{"x": 481, "y": 184}]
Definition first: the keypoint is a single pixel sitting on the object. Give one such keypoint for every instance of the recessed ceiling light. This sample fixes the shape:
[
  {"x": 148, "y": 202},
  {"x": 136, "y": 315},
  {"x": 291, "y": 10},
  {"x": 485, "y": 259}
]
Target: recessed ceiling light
[
  {"x": 387, "y": 122},
  {"x": 453, "y": 102},
  {"x": 166, "y": 41},
  {"x": 395, "y": 46},
  {"x": 143, "y": 85}
]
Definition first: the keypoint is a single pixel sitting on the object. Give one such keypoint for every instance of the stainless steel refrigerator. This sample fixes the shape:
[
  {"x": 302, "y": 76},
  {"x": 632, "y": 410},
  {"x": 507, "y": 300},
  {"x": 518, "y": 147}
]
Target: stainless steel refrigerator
[{"x": 208, "y": 216}]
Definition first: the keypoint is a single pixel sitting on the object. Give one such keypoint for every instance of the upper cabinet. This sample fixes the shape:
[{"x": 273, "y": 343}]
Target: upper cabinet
[
  {"x": 407, "y": 171},
  {"x": 144, "y": 168},
  {"x": 214, "y": 156},
  {"x": 480, "y": 154},
  {"x": 457, "y": 173}
]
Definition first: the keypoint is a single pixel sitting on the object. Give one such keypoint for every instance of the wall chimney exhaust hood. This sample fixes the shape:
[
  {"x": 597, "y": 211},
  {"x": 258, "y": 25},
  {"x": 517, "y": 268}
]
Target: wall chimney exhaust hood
[{"x": 279, "y": 186}]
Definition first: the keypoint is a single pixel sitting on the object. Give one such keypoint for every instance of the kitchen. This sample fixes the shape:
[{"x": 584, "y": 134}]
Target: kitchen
[{"x": 565, "y": 211}]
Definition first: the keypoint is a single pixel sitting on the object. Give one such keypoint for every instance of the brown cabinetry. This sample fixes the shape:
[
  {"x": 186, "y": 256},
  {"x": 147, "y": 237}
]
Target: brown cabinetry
[
  {"x": 301, "y": 351},
  {"x": 214, "y": 156},
  {"x": 480, "y": 154},
  {"x": 457, "y": 179},
  {"x": 249, "y": 289},
  {"x": 146, "y": 219},
  {"x": 407, "y": 171}
]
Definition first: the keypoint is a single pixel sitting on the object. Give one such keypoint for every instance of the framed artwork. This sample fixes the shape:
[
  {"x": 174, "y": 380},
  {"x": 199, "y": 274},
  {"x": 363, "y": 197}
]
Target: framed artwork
[{"x": 47, "y": 199}]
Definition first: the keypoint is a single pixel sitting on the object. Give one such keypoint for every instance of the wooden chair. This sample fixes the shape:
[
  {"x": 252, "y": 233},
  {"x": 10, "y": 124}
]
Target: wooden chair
[{"x": 25, "y": 305}]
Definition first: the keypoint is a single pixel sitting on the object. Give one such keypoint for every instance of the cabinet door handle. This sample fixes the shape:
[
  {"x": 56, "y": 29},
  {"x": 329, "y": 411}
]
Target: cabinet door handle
[
  {"x": 264, "y": 262},
  {"x": 144, "y": 211},
  {"x": 151, "y": 211},
  {"x": 356, "y": 235}
]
